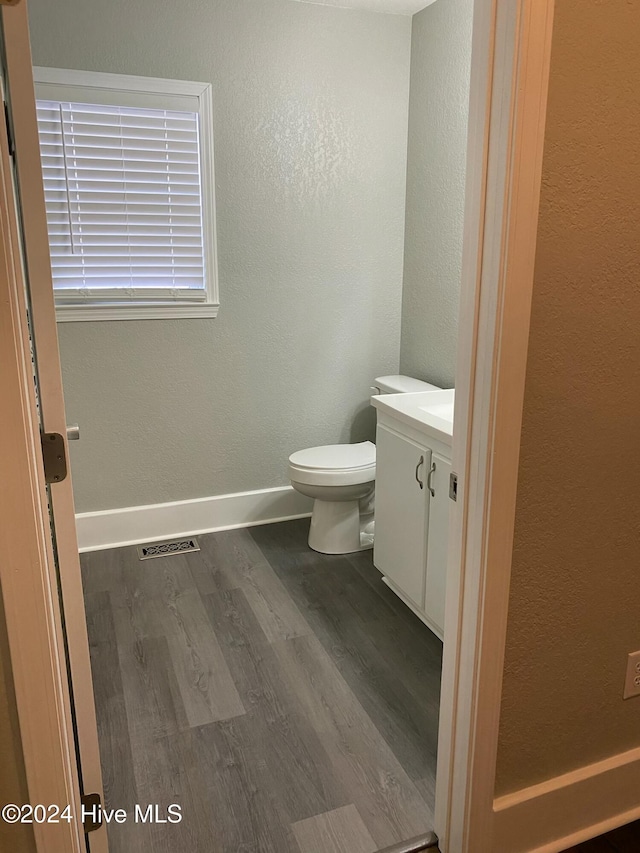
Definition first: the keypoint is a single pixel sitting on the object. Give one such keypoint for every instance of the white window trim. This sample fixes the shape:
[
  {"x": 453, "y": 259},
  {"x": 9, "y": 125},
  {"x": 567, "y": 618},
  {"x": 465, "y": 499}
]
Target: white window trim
[{"x": 124, "y": 90}]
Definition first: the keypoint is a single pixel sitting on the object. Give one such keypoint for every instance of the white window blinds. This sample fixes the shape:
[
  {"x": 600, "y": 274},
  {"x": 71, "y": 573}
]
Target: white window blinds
[{"x": 124, "y": 203}]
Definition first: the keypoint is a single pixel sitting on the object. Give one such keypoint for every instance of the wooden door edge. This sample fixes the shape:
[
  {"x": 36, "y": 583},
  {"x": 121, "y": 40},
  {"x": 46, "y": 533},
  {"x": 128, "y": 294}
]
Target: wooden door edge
[
  {"x": 27, "y": 568},
  {"x": 43, "y": 323}
]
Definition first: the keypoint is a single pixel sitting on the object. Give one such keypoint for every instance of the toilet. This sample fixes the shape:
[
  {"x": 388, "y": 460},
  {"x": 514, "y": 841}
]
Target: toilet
[{"x": 341, "y": 480}]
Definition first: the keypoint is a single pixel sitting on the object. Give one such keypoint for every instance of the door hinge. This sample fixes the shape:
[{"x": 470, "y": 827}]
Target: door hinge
[
  {"x": 91, "y": 812},
  {"x": 54, "y": 455},
  {"x": 453, "y": 487},
  {"x": 7, "y": 119}
]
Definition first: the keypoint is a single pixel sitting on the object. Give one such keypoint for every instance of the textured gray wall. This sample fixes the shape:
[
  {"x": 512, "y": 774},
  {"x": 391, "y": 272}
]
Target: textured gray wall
[
  {"x": 310, "y": 132},
  {"x": 574, "y": 600},
  {"x": 438, "y": 113}
]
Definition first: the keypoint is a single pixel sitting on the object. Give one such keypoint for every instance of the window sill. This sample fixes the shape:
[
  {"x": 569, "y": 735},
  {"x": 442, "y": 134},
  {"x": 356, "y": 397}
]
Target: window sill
[{"x": 91, "y": 313}]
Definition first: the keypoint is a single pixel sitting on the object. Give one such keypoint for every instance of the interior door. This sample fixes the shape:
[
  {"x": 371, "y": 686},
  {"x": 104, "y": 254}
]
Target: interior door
[{"x": 20, "y": 98}]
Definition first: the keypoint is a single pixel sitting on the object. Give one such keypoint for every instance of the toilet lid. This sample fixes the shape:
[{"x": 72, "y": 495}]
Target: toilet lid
[{"x": 339, "y": 457}]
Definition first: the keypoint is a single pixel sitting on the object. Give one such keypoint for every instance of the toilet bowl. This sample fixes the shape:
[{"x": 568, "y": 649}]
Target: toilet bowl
[{"x": 341, "y": 480}]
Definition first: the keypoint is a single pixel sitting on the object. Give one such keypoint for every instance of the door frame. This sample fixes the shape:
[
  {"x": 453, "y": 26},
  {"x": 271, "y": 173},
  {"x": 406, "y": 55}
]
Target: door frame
[
  {"x": 509, "y": 82},
  {"x": 511, "y": 58}
]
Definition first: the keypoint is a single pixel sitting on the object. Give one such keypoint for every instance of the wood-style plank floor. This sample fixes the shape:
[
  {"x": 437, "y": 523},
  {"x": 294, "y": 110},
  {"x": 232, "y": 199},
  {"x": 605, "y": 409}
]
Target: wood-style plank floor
[{"x": 285, "y": 699}]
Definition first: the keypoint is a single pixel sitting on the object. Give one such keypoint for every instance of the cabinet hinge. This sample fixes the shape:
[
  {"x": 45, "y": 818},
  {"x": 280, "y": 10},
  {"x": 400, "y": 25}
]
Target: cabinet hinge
[
  {"x": 91, "y": 812},
  {"x": 453, "y": 487},
  {"x": 54, "y": 455}
]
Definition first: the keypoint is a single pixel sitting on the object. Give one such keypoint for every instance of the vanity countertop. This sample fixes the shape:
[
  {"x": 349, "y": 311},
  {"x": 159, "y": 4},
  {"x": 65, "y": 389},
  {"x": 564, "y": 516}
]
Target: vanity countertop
[{"x": 430, "y": 412}]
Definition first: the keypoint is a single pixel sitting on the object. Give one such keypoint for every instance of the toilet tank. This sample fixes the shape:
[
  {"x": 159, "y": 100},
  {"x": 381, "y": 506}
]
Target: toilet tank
[{"x": 400, "y": 385}]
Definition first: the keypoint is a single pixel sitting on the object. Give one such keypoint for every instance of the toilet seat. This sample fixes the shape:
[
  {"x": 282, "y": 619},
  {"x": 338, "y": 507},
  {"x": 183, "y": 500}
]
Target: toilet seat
[{"x": 334, "y": 464}]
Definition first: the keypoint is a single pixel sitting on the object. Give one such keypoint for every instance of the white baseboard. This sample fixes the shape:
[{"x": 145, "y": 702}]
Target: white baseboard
[
  {"x": 115, "y": 528},
  {"x": 569, "y": 809}
]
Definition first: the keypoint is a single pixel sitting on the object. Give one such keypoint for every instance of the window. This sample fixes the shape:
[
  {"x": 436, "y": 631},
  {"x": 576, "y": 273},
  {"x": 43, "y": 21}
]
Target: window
[{"x": 129, "y": 193}]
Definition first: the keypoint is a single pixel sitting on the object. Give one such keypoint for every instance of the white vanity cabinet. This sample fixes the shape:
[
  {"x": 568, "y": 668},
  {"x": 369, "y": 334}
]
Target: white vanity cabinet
[
  {"x": 401, "y": 512},
  {"x": 438, "y": 539},
  {"x": 412, "y": 507}
]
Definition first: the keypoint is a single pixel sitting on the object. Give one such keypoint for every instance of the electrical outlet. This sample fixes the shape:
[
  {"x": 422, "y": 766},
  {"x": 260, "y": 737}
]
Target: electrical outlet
[{"x": 632, "y": 680}]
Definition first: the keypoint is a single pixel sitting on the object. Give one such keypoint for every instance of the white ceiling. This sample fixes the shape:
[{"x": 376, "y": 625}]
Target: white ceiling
[{"x": 394, "y": 7}]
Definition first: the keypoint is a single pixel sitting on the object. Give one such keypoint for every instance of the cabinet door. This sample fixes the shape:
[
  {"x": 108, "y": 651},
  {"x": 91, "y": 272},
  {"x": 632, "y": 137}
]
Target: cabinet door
[
  {"x": 437, "y": 549},
  {"x": 401, "y": 508}
]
